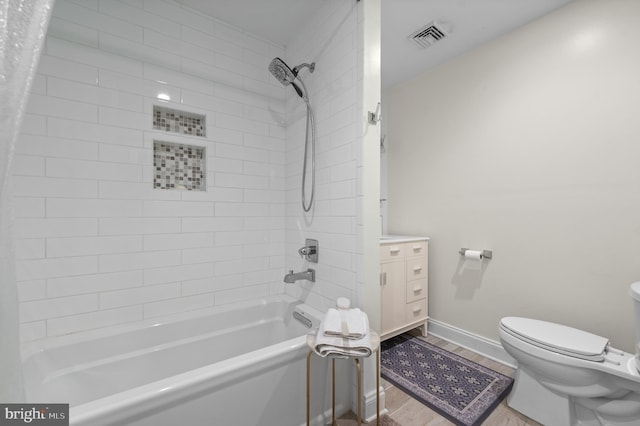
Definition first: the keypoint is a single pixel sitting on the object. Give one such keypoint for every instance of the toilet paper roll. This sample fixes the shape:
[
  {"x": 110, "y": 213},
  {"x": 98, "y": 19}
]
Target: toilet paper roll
[{"x": 473, "y": 254}]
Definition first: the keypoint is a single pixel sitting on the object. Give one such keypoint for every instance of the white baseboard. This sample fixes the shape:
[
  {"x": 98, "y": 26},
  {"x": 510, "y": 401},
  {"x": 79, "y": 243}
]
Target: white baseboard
[
  {"x": 481, "y": 345},
  {"x": 369, "y": 406}
]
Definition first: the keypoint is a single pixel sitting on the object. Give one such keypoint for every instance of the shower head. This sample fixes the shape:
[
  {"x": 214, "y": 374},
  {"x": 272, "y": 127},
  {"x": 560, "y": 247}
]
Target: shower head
[
  {"x": 286, "y": 75},
  {"x": 282, "y": 72}
]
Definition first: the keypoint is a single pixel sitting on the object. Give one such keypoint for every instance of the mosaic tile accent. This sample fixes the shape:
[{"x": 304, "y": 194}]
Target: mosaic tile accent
[
  {"x": 178, "y": 166},
  {"x": 176, "y": 121}
]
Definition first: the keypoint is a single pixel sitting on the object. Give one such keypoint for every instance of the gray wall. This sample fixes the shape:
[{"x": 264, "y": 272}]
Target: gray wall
[{"x": 528, "y": 146}]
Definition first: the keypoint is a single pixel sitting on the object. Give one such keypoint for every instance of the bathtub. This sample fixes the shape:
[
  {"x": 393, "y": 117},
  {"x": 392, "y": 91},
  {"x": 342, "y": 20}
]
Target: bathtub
[{"x": 241, "y": 364}]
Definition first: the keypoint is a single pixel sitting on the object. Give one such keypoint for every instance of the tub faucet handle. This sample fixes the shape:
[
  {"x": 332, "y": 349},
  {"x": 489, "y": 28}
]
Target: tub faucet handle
[
  {"x": 305, "y": 251},
  {"x": 309, "y": 251}
]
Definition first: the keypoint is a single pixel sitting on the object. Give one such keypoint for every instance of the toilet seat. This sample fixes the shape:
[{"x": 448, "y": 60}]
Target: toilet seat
[{"x": 557, "y": 338}]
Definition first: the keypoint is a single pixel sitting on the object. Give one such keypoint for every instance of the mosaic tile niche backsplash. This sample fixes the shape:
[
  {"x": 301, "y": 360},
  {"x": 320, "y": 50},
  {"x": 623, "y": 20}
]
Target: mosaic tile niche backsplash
[
  {"x": 178, "y": 166},
  {"x": 176, "y": 121}
]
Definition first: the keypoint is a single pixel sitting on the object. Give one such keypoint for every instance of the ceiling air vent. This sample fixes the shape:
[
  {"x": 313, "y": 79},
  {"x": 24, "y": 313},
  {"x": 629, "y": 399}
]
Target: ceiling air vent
[{"x": 429, "y": 34}]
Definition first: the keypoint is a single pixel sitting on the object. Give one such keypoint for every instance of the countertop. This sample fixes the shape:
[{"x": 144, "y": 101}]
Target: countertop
[{"x": 386, "y": 239}]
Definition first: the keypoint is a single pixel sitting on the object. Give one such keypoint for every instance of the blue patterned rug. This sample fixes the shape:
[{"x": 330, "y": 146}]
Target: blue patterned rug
[{"x": 460, "y": 390}]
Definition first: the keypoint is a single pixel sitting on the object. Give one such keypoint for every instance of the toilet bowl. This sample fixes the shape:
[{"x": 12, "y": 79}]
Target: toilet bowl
[{"x": 571, "y": 377}]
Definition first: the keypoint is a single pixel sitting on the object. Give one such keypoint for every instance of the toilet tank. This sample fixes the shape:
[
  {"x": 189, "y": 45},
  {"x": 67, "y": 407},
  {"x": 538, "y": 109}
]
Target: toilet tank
[{"x": 634, "y": 291}]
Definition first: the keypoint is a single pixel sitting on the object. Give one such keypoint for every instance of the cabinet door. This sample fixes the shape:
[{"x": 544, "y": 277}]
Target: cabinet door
[{"x": 393, "y": 281}]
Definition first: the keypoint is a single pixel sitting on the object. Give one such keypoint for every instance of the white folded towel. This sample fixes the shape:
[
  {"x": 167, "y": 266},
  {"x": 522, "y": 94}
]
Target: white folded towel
[
  {"x": 329, "y": 342},
  {"x": 347, "y": 323},
  {"x": 337, "y": 346}
]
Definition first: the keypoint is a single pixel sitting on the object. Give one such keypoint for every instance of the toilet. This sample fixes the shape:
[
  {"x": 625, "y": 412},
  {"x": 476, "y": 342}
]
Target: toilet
[{"x": 568, "y": 377}]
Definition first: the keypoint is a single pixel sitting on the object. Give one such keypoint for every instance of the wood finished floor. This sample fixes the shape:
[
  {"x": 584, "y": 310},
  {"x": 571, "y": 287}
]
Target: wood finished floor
[{"x": 407, "y": 411}]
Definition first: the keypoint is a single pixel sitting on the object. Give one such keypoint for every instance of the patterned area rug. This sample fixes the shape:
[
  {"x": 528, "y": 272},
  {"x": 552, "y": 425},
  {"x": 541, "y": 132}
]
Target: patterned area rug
[{"x": 460, "y": 390}]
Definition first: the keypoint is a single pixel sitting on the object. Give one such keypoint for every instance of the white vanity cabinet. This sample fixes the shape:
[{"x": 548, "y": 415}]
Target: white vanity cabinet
[{"x": 404, "y": 284}]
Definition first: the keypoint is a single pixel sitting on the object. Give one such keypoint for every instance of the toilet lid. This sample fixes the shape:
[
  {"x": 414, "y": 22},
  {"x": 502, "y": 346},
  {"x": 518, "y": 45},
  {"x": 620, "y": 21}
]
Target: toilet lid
[{"x": 558, "y": 338}]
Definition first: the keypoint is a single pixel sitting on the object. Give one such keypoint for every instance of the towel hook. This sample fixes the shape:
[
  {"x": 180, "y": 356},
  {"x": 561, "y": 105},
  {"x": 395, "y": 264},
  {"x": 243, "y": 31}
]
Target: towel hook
[{"x": 374, "y": 117}]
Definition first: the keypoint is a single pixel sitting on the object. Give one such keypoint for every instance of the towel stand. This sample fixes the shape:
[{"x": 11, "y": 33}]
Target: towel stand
[{"x": 376, "y": 352}]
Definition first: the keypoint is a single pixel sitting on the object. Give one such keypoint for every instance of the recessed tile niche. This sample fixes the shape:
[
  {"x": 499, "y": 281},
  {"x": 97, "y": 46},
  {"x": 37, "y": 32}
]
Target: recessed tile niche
[
  {"x": 178, "y": 166},
  {"x": 176, "y": 121}
]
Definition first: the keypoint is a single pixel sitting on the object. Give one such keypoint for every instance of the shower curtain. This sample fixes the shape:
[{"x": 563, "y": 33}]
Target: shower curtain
[{"x": 23, "y": 26}]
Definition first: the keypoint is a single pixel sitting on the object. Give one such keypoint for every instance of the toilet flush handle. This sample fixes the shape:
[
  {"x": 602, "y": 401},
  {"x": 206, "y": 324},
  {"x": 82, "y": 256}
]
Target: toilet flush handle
[{"x": 612, "y": 351}]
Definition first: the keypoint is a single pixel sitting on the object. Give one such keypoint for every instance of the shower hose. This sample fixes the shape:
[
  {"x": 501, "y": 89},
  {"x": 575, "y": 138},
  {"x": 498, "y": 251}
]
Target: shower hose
[{"x": 310, "y": 131}]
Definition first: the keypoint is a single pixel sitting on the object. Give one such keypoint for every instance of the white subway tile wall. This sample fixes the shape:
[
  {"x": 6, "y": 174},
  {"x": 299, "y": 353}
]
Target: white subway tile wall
[
  {"x": 332, "y": 41},
  {"x": 98, "y": 246}
]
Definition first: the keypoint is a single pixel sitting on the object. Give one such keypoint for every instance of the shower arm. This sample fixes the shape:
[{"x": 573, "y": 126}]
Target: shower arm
[{"x": 311, "y": 66}]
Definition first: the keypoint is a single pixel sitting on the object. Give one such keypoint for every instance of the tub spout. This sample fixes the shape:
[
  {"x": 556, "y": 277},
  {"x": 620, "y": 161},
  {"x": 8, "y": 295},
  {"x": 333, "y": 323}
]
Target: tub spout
[{"x": 292, "y": 277}]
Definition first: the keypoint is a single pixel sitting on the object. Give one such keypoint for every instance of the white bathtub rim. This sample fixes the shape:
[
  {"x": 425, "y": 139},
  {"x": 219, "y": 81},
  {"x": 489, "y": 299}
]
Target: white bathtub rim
[
  {"x": 154, "y": 396},
  {"x": 33, "y": 347}
]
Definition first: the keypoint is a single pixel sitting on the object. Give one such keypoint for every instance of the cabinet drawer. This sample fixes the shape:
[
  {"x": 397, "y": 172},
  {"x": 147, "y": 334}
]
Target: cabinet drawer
[
  {"x": 417, "y": 310},
  {"x": 416, "y": 290},
  {"x": 392, "y": 251},
  {"x": 416, "y": 248},
  {"x": 417, "y": 268}
]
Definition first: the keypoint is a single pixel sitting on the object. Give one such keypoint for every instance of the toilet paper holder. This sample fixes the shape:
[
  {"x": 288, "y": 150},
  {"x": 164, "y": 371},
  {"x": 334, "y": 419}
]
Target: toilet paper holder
[{"x": 486, "y": 254}]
